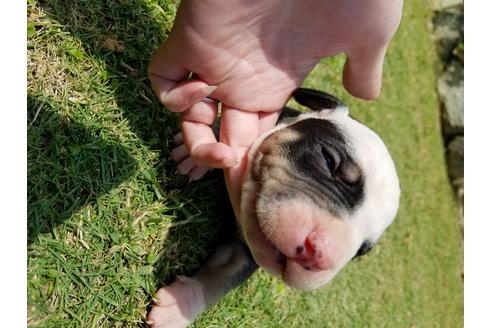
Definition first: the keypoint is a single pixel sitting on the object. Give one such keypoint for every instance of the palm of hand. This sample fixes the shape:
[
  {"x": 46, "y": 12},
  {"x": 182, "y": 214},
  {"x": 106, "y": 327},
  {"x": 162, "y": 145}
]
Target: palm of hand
[{"x": 256, "y": 53}]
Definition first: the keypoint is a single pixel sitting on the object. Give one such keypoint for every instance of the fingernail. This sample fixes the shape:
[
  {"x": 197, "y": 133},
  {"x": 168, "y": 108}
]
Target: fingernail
[
  {"x": 195, "y": 177},
  {"x": 208, "y": 90},
  {"x": 191, "y": 178},
  {"x": 229, "y": 162},
  {"x": 209, "y": 100},
  {"x": 202, "y": 93}
]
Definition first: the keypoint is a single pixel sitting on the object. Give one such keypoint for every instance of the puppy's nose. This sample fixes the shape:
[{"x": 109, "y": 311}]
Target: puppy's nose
[{"x": 313, "y": 255}]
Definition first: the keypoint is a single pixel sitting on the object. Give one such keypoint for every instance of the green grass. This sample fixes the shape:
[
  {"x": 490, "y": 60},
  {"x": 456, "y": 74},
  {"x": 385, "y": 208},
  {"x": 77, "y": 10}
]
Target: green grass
[{"x": 109, "y": 221}]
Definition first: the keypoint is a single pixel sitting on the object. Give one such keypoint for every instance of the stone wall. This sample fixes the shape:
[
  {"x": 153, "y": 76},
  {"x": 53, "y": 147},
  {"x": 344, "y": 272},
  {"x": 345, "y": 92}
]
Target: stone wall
[{"x": 449, "y": 36}]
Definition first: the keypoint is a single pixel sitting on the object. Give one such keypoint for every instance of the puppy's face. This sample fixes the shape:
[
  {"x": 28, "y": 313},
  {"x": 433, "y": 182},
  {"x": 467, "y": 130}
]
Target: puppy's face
[{"x": 319, "y": 190}]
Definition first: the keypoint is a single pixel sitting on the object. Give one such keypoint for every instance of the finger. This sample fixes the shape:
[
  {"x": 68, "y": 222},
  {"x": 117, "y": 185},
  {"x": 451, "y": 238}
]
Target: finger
[
  {"x": 163, "y": 65},
  {"x": 198, "y": 172},
  {"x": 215, "y": 155},
  {"x": 180, "y": 96},
  {"x": 267, "y": 120},
  {"x": 164, "y": 72},
  {"x": 185, "y": 166},
  {"x": 201, "y": 112},
  {"x": 178, "y": 139},
  {"x": 238, "y": 129},
  {"x": 200, "y": 139},
  {"x": 363, "y": 70},
  {"x": 179, "y": 153},
  {"x": 166, "y": 76}
]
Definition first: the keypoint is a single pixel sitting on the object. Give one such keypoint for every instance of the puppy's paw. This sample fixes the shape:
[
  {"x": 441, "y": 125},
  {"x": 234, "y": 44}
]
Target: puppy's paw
[
  {"x": 178, "y": 304},
  {"x": 185, "y": 164}
]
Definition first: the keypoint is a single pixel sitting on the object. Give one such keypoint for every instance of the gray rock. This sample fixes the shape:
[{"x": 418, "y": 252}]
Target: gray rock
[
  {"x": 459, "y": 188},
  {"x": 450, "y": 88},
  {"x": 448, "y": 31},
  {"x": 455, "y": 158}
]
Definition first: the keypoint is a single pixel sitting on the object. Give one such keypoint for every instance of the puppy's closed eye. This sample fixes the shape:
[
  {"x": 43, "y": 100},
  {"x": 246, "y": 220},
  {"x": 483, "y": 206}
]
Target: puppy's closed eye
[
  {"x": 339, "y": 165},
  {"x": 331, "y": 158}
]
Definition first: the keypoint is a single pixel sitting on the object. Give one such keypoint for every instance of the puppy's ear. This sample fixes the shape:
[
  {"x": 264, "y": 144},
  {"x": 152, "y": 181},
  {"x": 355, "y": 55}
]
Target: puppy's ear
[{"x": 317, "y": 100}]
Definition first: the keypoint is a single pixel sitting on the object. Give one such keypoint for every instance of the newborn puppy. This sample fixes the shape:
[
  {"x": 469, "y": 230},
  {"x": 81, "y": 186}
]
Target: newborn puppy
[{"x": 319, "y": 190}]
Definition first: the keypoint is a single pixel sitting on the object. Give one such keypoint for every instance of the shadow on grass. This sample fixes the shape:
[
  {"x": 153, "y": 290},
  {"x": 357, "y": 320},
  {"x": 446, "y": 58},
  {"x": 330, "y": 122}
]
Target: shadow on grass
[
  {"x": 68, "y": 167},
  {"x": 188, "y": 244},
  {"x": 123, "y": 34}
]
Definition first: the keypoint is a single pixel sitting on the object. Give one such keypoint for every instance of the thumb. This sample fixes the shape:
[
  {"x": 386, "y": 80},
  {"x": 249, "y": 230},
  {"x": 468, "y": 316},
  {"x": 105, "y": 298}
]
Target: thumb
[
  {"x": 169, "y": 82},
  {"x": 363, "y": 71},
  {"x": 238, "y": 129}
]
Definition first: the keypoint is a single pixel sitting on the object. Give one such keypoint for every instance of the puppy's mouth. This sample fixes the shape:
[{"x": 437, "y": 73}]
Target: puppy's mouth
[
  {"x": 264, "y": 250},
  {"x": 266, "y": 254},
  {"x": 279, "y": 257},
  {"x": 293, "y": 270}
]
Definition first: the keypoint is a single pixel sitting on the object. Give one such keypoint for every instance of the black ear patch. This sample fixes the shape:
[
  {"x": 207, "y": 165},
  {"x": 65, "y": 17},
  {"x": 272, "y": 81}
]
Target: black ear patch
[{"x": 316, "y": 100}]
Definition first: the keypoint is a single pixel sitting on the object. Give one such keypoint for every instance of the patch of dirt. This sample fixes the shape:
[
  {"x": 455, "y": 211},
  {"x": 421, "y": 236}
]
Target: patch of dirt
[{"x": 112, "y": 44}]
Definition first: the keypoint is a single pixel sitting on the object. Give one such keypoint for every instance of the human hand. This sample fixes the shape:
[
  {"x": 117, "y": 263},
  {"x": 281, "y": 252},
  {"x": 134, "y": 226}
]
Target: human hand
[{"x": 251, "y": 55}]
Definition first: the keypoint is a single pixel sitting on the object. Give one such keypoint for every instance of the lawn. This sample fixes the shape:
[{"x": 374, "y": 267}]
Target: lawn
[{"x": 109, "y": 220}]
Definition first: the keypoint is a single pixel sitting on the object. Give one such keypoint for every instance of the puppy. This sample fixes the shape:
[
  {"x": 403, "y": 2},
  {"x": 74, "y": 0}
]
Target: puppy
[{"x": 319, "y": 190}]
